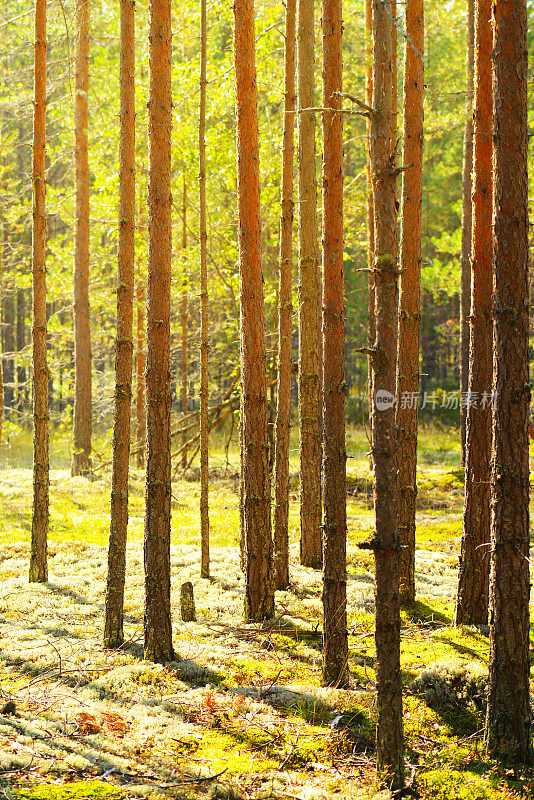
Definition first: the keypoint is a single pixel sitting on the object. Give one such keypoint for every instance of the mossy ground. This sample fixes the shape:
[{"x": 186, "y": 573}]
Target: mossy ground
[{"x": 241, "y": 700}]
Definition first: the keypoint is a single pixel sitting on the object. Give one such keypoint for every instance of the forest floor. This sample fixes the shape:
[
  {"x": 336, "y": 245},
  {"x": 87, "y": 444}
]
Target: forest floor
[{"x": 240, "y": 713}]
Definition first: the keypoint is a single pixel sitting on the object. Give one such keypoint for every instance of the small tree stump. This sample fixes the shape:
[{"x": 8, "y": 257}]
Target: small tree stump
[{"x": 187, "y": 602}]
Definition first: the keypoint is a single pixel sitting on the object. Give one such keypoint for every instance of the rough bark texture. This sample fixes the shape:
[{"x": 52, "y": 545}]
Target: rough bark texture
[
  {"x": 386, "y": 544},
  {"x": 38, "y": 555},
  {"x": 184, "y": 316},
  {"x": 309, "y": 310},
  {"x": 140, "y": 410},
  {"x": 255, "y": 478},
  {"x": 335, "y": 642},
  {"x": 113, "y": 625},
  {"x": 158, "y": 628},
  {"x": 473, "y": 577},
  {"x": 82, "y": 425},
  {"x": 204, "y": 335},
  {"x": 508, "y": 724},
  {"x": 467, "y": 213},
  {"x": 371, "y": 332},
  {"x": 410, "y": 294},
  {"x": 283, "y": 422}
]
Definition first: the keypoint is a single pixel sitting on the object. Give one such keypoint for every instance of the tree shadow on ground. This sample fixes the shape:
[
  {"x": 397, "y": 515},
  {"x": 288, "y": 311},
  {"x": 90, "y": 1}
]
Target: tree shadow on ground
[{"x": 420, "y": 613}]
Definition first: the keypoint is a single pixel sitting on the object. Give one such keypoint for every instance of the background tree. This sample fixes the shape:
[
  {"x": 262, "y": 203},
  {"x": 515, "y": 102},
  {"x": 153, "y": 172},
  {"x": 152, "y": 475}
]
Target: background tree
[
  {"x": 38, "y": 557},
  {"x": 473, "y": 578},
  {"x": 386, "y": 546},
  {"x": 82, "y": 328},
  {"x": 335, "y": 643},
  {"x": 113, "y": 626},
  {"x": 204, "y": 345},
  {"x": 283, "y": 410},
  {"x": 410, "y": 293},
  {"x": 158, "y": 628},
  {"x": 255, "y": 477},
  {"x": 311, "y": 552},
  {"x": 467, "y": 212},
  {"x": 508, "y": 722}
]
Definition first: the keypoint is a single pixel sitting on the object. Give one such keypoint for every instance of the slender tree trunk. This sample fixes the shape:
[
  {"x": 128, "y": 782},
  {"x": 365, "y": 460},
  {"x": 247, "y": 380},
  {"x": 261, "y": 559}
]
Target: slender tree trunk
[
  {"x": 8, "y": 336},
  {"x": 335, "y": 641},
  {"x": 311, "y": 554},
  {"x": 81, "y": 461},
  {"x": 38, "y": 555},
  {"x": 204, "y": 319},
  {"x": 390, "y": 741},
  {"x": 283, "y": 420},
  {"x": 1, "y": 285},
  {"x": 371, "y": 331},
  {"x": 184, "y": 318},
  {"x": 259, "y": 583},
  {"x": 473, "y": 577},
  {"x": 410, "y": 294},
  {"x": 467, "y": 214},
  {"x": 508, "y": 724},
  {"x": 158, "y": 626},
  {"x": 22, "y": 392},
  {"x": 113, "y": 626},
  {"x": 140, "y": 409}
]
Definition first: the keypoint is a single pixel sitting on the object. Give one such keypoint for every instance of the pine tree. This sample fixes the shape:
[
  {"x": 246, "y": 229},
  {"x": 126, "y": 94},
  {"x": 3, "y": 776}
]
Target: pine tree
[
  {"x": 283, "y": 423},
  {"x": 113, "y": 626},
  {"x": 473, "y": 577},
  {"x": 386, "y": 545},
  {"x": 255, "y": 477},
  {"x": 410, "y": 293},
  {"x": 508, "y": 722},
  {"x": 311, "y": 554},
  {"x": 204, "y": 340},
  {"x": 38, "y": 556},
  {"x": 81, "y": 462},
  {"x": 158, "y": 627},
  {"x": 335, "y": 641}
]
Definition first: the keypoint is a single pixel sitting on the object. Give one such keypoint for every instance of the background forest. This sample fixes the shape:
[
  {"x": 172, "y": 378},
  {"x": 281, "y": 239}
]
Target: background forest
[{"x": 444, "y": 125}]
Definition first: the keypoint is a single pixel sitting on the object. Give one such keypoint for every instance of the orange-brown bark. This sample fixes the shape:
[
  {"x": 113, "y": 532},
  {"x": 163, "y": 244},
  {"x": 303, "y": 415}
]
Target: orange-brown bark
[
  {"x": 38, "y": 555},
  {"x": 473, "y": 577},
  {"x": 410, "y": 294},
  {"x": 204, "y": 340},
  {"x": 81, "y": 461},
  {"x": 390, "y": 742},
  {"x": 508, "y": 725},
  {"x": 255, "y": 477},
  {"x": 311, "y": 552},
  {"x": 335, "y": 645},
  {"x": 113, "y": 624},
  {"x": 158, "y": 627}
]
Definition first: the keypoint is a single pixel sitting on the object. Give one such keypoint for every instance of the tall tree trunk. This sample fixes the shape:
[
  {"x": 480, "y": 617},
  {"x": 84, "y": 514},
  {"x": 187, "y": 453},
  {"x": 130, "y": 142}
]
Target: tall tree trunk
[
  {"x": 467, "y": 214},
  {"x": 1, "y": 283},
  {"x": 38, "y": 555},
  {"x": 311, "y": 554},
  {"x": 113, "y": 625},
  {"x": 508, "y": 724},
  {"x": 335, "y": 641},
  {"x": 158, "y": 626},
  {"x": 81, "y": 461},
  {"x": 259, "y": 583},
  {"x": 390, "y": 741},
  {"x": 283, "y": 421},
  {"x": 184, "y": 319},
  {"x": 204, "y": 320},
  {"x": 140, "y": 409},
  {"x": 473, "y": 577},
  {"x": 410, "y": 294},
  {"x": 371, "y": 331}
]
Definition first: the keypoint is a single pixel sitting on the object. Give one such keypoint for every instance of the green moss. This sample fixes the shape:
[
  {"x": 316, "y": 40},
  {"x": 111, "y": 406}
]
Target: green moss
[
  {"x": 450, "y": 784},
  {"x": 78, "y": 790}
]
